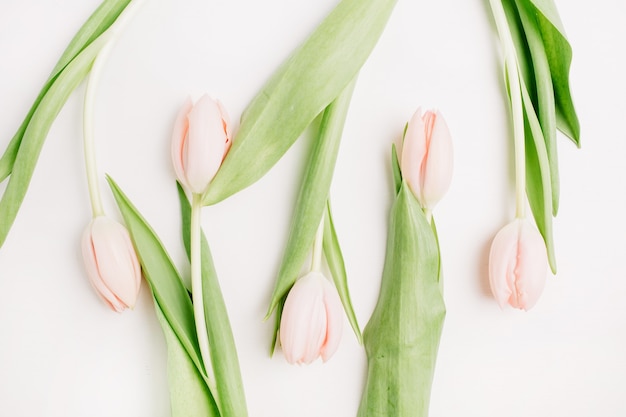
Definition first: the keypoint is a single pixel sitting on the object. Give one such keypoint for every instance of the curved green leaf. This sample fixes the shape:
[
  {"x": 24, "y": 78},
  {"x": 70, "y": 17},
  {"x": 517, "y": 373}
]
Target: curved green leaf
[
  {"x": 402, "y": 336},
  {"x": 189, "y": 394},
  {"x": 313, "y": 194},
  {"x": 395, "y": 169},
  {"x": 559, "y": 53},
  {"x": 337, "y": 267},
  {"x": 538, "y": 183},
  {"x": 97, "y": 23},
  {"x": 544, "y": 104},
  {"x": 162, "y": 276},
  {"x": 36, "y": 132},
  {"x": 318, "y": 71},
  {"x": 222, "y": 349}
]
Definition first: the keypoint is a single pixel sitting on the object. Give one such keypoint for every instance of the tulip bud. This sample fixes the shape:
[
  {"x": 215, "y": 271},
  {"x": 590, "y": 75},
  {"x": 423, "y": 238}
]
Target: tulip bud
[
  {"x": 518, "y": 265},
  {"x": 426, "y": 161},
  {"x": 111, "y": 262},
  {"x": 200, "y": 142},
  {"x": 312, "y": 320}
]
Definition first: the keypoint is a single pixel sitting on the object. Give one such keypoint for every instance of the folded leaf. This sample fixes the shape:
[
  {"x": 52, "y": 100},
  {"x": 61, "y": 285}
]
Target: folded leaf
[
  {"x": 402, "y": 336},
  {"x": 189, "y": 393},
  {"x": 313, "y": 195},
  {"x": 163, "y": 278},
  {"x": 544, "y": 103},
  {"x": 317, "y": 72},
  {"x": 224, "y": 361},
  {"x": 336, "y": 265}
]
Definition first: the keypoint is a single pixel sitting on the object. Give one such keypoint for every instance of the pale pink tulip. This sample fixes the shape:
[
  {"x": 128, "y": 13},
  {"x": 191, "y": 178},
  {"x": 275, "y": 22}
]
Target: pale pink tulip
[
  {"x": 518, "y": 265},
  {"x": 426, "y": 161},
  {"x": 200, "y": 142},
  {"x": 111, "y": 262},
  {"x": 312, "y": 320}
]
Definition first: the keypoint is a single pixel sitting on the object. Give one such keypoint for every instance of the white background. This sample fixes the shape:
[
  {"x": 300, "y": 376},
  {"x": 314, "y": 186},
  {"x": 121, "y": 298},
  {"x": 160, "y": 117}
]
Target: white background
[{"x": 62, "y": 353}]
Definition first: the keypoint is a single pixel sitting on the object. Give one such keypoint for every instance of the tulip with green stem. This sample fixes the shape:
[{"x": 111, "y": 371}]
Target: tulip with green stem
[{"x": 537, "y": 58}]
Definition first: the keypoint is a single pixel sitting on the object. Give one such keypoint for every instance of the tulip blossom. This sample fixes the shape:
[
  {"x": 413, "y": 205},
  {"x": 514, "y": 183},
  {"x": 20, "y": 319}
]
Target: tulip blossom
[
  {"x": 200, "y": 142},
  {"x": 426, "y": 161},
  {"x": 111, "y": 262},
  {"x": 518, "y": 265},
  {"x": 312, "y": 320}
]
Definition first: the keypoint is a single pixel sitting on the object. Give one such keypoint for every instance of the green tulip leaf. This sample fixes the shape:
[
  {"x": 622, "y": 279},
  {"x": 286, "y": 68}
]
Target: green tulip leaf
[
  {"x": 311, "y": 201},
  {"x": 544, "y": 103},
  {"x": 315, "y": 74},
  {"x": 559, "y": 53},
  {"x": 222, "y": 349},
  {"x": 22, "y": 152},
  {"x": 188, "y": 390},
  {"x": 403, "y": 334},
  {"x": 395, "y": 168},
  {"x": 164, "y": 280},
  {"x": 538, "y": 183},
  {"x": 337, "y": 267}
]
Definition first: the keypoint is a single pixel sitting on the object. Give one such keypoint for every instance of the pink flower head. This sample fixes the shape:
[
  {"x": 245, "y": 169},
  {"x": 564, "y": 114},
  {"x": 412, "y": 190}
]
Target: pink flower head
[
  {"x": 426, "y": 161},
  {"x": 111, "y": 263},
  {"x": 518, "y": 265},
  {"x": 200, "y": 141},
  {"x": 312, "y": 320}
]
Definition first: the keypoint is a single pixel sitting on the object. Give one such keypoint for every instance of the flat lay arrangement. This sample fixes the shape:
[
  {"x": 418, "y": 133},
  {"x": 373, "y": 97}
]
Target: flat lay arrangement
[{"x": 350, "y": 207}]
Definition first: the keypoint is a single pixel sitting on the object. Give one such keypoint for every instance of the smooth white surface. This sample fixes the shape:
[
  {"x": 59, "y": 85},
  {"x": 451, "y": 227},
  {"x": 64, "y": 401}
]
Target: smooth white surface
[{"x": 63, "y": 354}]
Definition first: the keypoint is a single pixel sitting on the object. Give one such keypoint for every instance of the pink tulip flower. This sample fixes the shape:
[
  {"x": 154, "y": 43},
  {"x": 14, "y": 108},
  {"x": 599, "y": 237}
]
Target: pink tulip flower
[
  {"x": 518, "y": 265},
  {"x": 426, "y": 161},
  {"x": 312, "y": 320},
  {"x": 200, "y": 142},
  {"x": 111, "y": 262}
]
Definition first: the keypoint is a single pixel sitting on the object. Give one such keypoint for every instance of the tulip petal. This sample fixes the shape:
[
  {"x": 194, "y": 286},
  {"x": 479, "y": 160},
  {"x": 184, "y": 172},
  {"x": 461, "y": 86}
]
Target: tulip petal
[
  {"x": 518, "y": 265},
  {"x": 179, "y": 138},
  {"x": 334, "y": 321},
  {"x": 206, "y": 144},
  {"x": 413, "y": 152},
  {"x": 437, "y": 164}
]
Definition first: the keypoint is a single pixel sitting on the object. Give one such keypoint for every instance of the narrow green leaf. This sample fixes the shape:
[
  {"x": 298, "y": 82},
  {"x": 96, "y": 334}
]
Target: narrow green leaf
[
  {"x": 162, "y": 276},
  {"x": 225, "y": 364},
  {"x": 36, "y": 132},
  {"x": 538, "y": 183},
  {"x": 337, "y": 267},
  {"x": 402, "y": 336},
  {"x": 97, "y": 23},
  {"x": 559, "y": 53},
  {"x": 544, "y": 92},
  {"x": 318, "y": 71},
  {"x": 313, "y": 194},
  {"x": 189, "y": 394},
  {"x": 395, "y": 168}
]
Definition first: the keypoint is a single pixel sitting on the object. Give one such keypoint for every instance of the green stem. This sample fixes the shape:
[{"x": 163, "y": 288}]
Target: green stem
[
  {"x": 316, "y": 258},
  {"x": 517, "y": 111},
  {"x": 110, "y": 37},
  {"x": 196, "y": 283}
]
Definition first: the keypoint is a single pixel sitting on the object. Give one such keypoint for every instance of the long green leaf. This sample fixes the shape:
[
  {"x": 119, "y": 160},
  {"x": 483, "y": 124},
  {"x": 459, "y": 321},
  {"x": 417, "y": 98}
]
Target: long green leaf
[
  {"x": 559, "y": 53},
  {"x": 188, "y": 390},
  {"x": 225, "y": 364},
  {"x": 402, "y": 336},
  {"x": 303, "y": 86},
  {"x": 314, "y": 190},
  {"x": 544, "y": 104},
  {"x": 538, "y": 183},
  {"x": 36, "y": 132},
  {"x": 336, "y": 265},
  {"x": 160, "y": 272},
  {"x": 97, "y": 23}
]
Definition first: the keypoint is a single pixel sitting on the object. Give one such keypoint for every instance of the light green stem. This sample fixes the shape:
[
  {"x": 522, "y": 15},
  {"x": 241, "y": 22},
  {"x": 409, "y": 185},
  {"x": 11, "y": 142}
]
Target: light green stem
[
  {"x": 110, "y": 36},
  {"x": 316, "y": 258},
  {"x": 196, "y": 283},
  {"x": 517, "y": 111}
]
